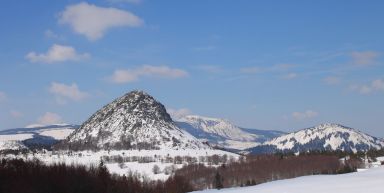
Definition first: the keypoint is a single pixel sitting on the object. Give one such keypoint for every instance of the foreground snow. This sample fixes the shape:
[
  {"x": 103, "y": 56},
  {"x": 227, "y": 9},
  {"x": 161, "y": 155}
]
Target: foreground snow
[{"x": 370, "y": 181}]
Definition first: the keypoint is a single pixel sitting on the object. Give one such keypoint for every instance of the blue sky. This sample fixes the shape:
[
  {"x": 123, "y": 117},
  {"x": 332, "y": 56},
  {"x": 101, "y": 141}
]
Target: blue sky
[{"x": 261, "y": 64}]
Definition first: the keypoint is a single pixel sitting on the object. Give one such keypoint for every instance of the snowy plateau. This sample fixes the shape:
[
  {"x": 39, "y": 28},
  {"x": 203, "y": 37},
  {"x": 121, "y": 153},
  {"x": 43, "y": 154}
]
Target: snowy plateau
[{"x": 21, "y": 138}]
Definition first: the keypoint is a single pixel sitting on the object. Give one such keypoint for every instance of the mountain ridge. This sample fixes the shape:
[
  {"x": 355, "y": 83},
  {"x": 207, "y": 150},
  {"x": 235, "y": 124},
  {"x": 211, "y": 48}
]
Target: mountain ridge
[
  {"x": 222, "y": 133},
  {"x": 323, "y": 137}
]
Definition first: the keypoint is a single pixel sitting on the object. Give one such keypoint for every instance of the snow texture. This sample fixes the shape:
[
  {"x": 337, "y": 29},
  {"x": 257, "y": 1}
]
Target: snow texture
[
  {"x": 14, "y": 138},
  {"x": 223, "y": 133},
  {"x": 326, "y": 137},
  {"x": 135, "y": 120},
  {"x": 370, "y": 181}
]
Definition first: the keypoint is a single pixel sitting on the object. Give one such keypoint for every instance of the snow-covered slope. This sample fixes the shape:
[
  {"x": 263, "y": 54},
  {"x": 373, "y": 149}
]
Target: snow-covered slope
[
  {"x": 133, "y": 121},
  {"x": 370, "y": 181},
  {"x": 323, "y": 137},
  {"x": 37, "y": 135},
  {"x": 222, "y": 133},
  {"x": 11, "y": 145}
]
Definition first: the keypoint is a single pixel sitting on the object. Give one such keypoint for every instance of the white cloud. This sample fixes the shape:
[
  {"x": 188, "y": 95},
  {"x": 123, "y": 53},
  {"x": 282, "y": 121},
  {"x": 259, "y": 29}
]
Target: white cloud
[
  {"x": 15, "y": 114},
  {"x": 3, "y": 96},
  {"x": 304, "y": 115},
  {"x": 57, "y": 53},
  {"x": 131, "y": 75},
  {"x": 64, "y": 92},
  {"x": 49, "y": 118},
  {"x": 374, "y": 86},
  {"x": 364, "y": 58},
  {"x": 177, "y": 114},
  {"x": 93, "y": 21},
  {"x": 290, "y": 76},
  {"x": 332, "y": 80}
]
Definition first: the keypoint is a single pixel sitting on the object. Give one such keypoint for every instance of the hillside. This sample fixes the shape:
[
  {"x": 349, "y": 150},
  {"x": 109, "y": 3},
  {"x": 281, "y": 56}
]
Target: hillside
[
  {"x": 133, "y": 121},
  {"x": 324, "y": 137}
]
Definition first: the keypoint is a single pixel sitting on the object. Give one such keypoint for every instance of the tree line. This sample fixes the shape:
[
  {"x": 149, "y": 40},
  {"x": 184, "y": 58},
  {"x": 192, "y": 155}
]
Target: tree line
[
  {"x": 252, "y": 170},
  {"x": 19, "y": 176}
]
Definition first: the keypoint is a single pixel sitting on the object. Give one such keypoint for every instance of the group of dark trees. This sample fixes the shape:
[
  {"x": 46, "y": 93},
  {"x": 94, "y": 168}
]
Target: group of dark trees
[
  {"x": 19, "y": 176},
  {"x": 209, "y": 160},
  {"x": 252, "y": 170}
]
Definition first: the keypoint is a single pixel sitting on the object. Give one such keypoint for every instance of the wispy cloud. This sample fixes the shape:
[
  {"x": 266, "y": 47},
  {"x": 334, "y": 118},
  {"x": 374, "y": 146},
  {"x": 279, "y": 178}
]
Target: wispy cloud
[
  {"x": 131, "y": 75},
  {"x": 93, "y": 21},
  {"x": 51, "y": 34},
  {"x": 365, "y": 58},
  {"x": 63, "y": 92},
  {"x": 309, "y": 114},
  {"x": 374, "y": 86},
  {"x": 49, "y": 118},
  {"x": 57, "y": 53},
  {"x": 16, "y": 114}
]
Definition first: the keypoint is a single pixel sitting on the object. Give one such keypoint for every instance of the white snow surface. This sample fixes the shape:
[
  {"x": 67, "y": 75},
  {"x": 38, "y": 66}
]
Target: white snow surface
[
  {"x": 58, "y": 134},
  {"x": 16, "y": 137},
  {"x": 241, "y": 145},
  {"x": 330, "y": 133},
  {"x": 232, "y": 136},
  {"x": 13, "y": 142},
  {"x": 11, "y": 145},
  {"x": 369, "y": 181},
  {"x": 219, "y": 127}
]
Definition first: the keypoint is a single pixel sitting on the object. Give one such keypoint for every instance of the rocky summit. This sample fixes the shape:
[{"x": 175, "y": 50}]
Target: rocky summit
[{"x": 133, "y": 121}]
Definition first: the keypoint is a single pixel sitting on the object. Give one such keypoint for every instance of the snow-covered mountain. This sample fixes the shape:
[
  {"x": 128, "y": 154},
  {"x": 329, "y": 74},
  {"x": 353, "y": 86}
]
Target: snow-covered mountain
[
  {"x": 323, "y": 137},
  {"x": 34, "y": 136},
  {"x": 133, "y": 121},
  {"x": 223, "y": 133}
]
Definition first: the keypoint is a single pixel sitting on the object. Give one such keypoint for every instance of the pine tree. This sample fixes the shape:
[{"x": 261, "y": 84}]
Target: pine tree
[
  {"x": 104, "y": 176},
  {"x": 218, "y": 182}
]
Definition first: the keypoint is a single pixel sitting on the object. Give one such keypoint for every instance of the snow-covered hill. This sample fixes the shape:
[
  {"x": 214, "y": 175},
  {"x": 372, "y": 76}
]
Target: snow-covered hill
[
  {"x": 223, "y": 133},
  {"x": 38, "y": 135},
  {"x": 133, "y": 121},
  {"x": 322, "y": 137},
  {"x": 367, "y": 181}
]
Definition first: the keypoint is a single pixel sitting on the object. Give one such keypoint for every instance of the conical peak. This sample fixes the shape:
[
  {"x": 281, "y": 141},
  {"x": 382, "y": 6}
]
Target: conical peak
[{"x": 139, "y": 102}]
